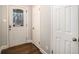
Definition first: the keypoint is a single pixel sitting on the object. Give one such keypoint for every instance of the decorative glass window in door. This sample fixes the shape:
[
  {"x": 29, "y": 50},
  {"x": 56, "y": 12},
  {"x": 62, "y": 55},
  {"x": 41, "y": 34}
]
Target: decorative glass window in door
[{"x": 18, "y": 17}]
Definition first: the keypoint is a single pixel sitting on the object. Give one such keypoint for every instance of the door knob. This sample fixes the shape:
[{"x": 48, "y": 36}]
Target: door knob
[{"x": 74, "y": 39}]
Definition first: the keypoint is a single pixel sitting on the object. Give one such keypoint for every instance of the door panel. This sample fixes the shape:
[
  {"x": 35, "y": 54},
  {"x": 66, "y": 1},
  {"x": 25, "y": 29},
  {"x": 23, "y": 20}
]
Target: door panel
[
  {"x": 65, "y": 29},
  {"x": 17, "y": 27}
]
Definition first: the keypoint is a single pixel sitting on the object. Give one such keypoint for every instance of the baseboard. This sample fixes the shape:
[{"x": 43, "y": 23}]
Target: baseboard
[
  {"x": 3, "y": 47},
  {"x": 29, "y": 41},
  {"x": 42, "y": 51}
]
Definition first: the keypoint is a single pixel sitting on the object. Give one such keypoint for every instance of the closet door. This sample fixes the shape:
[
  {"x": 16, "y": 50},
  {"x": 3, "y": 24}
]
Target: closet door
[{"x": 65, "y": 29}]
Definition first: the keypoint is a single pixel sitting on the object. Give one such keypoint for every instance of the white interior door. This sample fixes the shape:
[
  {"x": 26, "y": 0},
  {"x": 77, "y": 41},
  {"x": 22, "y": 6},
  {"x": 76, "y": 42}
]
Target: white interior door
[
  {"x": 36, "y": 24},
  {"x": 17, "y": 25},
  {"x": 65, "y": 29}
]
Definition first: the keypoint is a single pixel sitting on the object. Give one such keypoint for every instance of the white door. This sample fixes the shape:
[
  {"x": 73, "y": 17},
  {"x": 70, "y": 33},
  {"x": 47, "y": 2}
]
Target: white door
[
  {"x": 17, "y": 25},
  {"x": 65, "y": 29},
  {"x": 36, "y": 24}
]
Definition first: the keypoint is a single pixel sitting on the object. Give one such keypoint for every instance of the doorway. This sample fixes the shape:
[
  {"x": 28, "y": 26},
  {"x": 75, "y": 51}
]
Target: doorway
[{"x": 17, "y": 25}]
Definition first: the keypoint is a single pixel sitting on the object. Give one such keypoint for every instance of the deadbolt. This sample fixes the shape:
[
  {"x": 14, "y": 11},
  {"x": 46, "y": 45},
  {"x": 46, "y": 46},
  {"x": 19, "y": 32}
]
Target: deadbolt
[{"x": 9, "y": 26}]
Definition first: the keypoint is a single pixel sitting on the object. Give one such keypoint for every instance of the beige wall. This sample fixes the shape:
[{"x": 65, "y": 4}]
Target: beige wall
[
  {"x": 0, "y": 25},
  {"x": 29, "y": 22},
  {"x": 36, "y": 24},
  {"x": 45, "y": 24}
]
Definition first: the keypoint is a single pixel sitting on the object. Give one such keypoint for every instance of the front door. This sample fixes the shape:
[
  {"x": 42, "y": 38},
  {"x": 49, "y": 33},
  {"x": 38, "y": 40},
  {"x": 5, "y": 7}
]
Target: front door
[
  {"x": 65, "y": 29},
  {"x": 17, "y": 25}
]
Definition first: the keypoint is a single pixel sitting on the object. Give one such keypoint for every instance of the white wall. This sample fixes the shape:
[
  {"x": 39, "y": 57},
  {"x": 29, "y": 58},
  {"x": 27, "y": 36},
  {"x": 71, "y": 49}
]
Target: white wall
[
  {"x": 45, "y": 16},
  {"x": 29, "y": 22},
  {"x": 36, "y": 24},
  {"x": 4, "y": 25}
]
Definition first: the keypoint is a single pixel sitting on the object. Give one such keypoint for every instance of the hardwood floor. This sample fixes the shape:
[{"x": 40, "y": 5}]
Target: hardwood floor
[{"x": 27, "y": 48}]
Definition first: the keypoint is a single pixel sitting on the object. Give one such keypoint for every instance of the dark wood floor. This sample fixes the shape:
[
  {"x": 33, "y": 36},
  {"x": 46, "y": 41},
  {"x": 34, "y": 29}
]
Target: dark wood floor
[{"x": 28, "y": 48}]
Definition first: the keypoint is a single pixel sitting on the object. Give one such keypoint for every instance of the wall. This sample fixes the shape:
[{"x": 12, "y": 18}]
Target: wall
[
  {"x": 4, "y": 25},
  {"x": 29, "y": 22},
  {"x": 45, "y": 16},
  {"x": 0, "y": 25},
  {"x": 78, "y": 28},
  {"x": 36, "y": 25}
]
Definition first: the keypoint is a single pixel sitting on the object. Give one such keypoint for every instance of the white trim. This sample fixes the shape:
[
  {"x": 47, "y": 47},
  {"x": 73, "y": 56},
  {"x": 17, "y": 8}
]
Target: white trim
[
  {"x": 29, "y": 41},
  {"x": 3, "y": 47},
  {"x": 42, "y": 51}
]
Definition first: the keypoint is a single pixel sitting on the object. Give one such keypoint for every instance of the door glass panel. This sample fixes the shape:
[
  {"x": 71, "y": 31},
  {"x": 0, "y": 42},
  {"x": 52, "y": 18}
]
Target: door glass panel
[{"x": 17, "y": 17}]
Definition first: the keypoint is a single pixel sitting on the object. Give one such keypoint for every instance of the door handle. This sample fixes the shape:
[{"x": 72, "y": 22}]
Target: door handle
[{"x": 74, "y": 39}]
